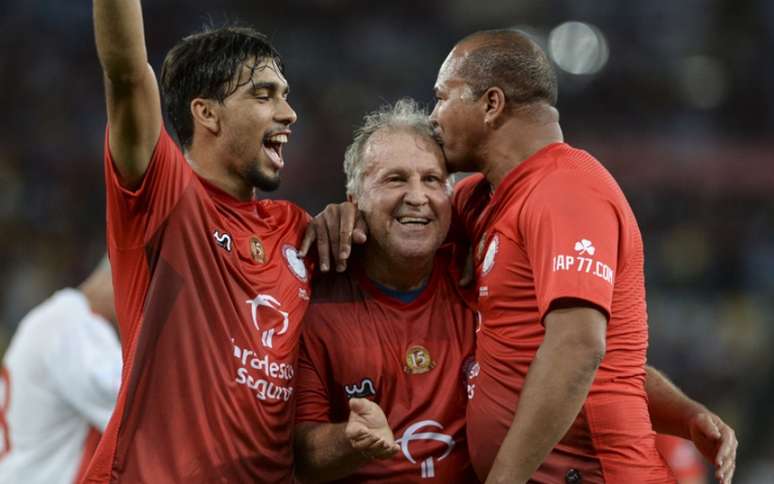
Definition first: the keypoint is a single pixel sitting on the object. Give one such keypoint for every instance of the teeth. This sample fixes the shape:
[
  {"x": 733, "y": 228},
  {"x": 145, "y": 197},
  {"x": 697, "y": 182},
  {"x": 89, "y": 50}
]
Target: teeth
[
  {"x": 408, "y": 220},
  {"x": 279, "y": 138}
]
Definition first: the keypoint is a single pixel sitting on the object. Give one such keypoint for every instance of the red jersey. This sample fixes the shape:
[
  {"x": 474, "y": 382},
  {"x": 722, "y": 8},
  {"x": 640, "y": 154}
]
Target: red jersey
[
  {"x": 560, "y": 227},
  {"x": 210, "y": 295},
  {"x": 410, "y": 358},
  {"x": 682, "y": 456}
]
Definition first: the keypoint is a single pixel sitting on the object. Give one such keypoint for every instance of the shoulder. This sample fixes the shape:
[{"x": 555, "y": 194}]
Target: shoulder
[
  {"x": 466, "y": 189},
  {"x": 283, "y": 213},
  {"x": 47, "y": 324}
]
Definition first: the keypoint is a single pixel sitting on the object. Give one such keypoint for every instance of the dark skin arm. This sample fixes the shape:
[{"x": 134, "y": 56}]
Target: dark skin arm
[{"x": 557, "y": 384}]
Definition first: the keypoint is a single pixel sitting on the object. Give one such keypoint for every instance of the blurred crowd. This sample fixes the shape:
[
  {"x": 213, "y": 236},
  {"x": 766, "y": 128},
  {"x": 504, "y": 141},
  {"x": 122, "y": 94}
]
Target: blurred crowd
[{"x": 682, "y": 113}]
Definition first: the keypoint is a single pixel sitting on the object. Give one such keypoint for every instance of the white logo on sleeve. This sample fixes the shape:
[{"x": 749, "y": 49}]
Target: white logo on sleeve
[
  {"x": 584, "y": 246},
  {"x": 584, "y": 262},
  {"x": 264, "y": 300},
  {"x": 427, "y": 466},
  {"x": 295, "y": 263},
  {"x": 491, "y": 253}
]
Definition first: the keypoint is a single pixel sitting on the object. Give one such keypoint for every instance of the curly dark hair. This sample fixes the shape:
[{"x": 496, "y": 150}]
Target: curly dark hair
[{"x": 208, "y": 65}]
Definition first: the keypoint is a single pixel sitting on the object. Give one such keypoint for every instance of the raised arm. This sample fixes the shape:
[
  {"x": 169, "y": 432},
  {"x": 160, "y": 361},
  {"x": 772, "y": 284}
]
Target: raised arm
[{"x": 131, "y": 91}]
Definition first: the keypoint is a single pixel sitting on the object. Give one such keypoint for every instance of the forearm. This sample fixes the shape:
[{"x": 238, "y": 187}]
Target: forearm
[
  {"x": 670, "y": 409},
  {"x": 556, "y": 386},
  {"x": 118, "y": 32},
  {"x": 323, "y": 452}
]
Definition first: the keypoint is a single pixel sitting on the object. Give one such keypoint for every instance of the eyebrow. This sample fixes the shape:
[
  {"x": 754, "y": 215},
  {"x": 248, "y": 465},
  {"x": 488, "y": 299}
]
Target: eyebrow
[{"x": 270, "y": 85}]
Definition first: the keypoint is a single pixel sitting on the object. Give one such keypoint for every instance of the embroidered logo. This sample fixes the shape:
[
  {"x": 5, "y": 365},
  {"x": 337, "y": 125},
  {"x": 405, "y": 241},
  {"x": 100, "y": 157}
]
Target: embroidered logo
[
  {"x": 295, "y": 263},
  {"x": 427, "y": 466},
  {"x": 268, "y": 333},
  {"x": 418, "y": 360},
  {"x": 257, "y": 251},
  {"x": 222, "y": 239},
  {"x": 361, "y": 390}
]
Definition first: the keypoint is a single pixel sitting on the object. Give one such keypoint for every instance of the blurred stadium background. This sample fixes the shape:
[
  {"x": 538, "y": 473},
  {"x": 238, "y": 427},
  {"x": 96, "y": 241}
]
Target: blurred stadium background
[{"x": 675, "y": 98}]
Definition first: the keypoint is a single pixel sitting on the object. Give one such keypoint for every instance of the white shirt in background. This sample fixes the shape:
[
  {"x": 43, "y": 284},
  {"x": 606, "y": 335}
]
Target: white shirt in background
[{"x": 60, "y": 379}]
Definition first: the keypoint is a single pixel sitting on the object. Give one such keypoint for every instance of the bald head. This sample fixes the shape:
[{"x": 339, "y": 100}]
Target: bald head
[{"x": 507, "y": 59}]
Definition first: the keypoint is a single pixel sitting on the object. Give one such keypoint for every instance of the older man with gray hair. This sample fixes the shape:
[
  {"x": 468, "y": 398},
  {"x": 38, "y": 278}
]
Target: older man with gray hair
[{"x": 392, "y": 335}]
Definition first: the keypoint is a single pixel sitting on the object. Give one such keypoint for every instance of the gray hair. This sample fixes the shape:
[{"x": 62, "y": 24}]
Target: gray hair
[{"x": 406, "y": 114}]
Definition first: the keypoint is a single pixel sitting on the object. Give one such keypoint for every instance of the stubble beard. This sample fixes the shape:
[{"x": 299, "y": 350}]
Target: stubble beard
[{"x": 265, "y": 183}]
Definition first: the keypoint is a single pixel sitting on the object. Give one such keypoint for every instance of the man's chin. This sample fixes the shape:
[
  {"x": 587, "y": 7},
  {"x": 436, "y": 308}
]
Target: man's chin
[{"x": 263, "y": 182}]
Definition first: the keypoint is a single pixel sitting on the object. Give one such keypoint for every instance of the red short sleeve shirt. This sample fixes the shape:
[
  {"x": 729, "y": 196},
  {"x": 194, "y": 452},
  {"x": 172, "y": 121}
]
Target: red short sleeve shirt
[
  {"x": 559, "y": 227},
  {"x": 411, "y": 359},
  {"x": 210, "y": 293}
]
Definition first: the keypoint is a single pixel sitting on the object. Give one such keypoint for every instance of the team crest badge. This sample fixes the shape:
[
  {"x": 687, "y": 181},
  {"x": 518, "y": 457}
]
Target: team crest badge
[
  {"x": 257, "y": 251},
  {"x": 491, "y": 253},
  {"x": 295, "y": 263},
  {"x": 418, "y": 360}
]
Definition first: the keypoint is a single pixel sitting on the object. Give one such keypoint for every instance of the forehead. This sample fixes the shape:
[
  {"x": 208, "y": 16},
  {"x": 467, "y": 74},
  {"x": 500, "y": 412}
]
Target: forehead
[
  {"x": 448, "y": 74},
  {"x": 391, "y": 149},
  {"x": 262, "y": 71}
]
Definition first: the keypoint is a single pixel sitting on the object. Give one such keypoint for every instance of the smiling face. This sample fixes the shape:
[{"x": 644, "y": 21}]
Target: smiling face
[
  {"x": 459, "y": 118},
  {"x": 255, "y": 122},
  {"x": 404, "y": 195}
]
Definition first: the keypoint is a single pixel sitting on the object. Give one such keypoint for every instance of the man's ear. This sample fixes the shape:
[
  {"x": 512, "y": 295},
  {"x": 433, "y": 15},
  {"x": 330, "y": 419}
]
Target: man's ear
[
  {"x": 205, "y": 114},
  {"x": 494, "y": 106}
]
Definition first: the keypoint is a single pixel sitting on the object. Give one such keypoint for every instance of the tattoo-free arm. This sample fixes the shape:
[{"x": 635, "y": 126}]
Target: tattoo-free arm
[
  {"x": 556, "y": 386},
  {"x": 132, "y": 95}
]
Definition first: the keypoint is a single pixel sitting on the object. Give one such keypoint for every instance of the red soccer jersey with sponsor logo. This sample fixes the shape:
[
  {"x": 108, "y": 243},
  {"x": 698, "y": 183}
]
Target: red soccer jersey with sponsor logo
[
  {"x": 560, "y": 227},
  {"x": 209, "y": 295},
  {"x": 409, "y": 358}
]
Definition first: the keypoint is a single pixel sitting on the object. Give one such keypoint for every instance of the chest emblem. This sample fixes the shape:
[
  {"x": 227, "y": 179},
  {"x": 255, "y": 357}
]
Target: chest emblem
[
  {"x": 222, "y": 239},
  {"x": 491, "y": 254},
  {"x": 418, "y": 360},
  {"x": 361, "y": 390},
  {"x": 413, "y": 434},
  {"x": 295, "y": 263},
  {"x": 268, "y": 318},
  {"x": 257, "y": 251}
]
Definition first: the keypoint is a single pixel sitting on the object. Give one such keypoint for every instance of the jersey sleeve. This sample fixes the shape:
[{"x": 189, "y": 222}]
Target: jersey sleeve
[
  {"x": 313, "y": 397},
  {"x": 571, "y": 230},
  {"x": 85, "y": 367},
  {"x": 135, "y": 215}
]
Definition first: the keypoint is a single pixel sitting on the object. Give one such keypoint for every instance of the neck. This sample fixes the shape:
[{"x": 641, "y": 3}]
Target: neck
[
  {"x": 397, "y": 273},
  {"x": 522, "y": 135},
  {"x": 206, "y": 161},
  {"x": 99, "y": 295}
]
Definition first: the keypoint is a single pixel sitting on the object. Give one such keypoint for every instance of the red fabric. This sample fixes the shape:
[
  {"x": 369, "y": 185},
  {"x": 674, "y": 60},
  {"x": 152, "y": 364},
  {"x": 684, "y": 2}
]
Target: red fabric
[
  {"x": 203, "y": 397},
  {"x": 355, "y": 336},
  {"x": 560, "y": 227},
  {"x": 682, "y": 456},
  {"x": 89, "y": 446}
]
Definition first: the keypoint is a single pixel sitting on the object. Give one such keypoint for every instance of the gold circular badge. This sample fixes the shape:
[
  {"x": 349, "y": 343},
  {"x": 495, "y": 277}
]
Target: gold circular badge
[
  {"x": 256, "y": 250},
  {"x": 418, "y": 360}
]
